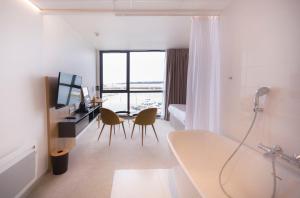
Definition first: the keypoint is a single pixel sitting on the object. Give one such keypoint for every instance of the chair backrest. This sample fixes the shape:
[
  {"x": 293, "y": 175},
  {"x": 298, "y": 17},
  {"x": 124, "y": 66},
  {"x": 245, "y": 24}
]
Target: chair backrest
[
  {"x": 146, "y": 116},
  {"x": 109, "y": 117}
]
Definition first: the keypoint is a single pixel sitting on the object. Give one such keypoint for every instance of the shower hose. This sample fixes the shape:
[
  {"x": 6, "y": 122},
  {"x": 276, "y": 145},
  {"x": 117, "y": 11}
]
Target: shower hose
[{"x": 236, "y": 150}]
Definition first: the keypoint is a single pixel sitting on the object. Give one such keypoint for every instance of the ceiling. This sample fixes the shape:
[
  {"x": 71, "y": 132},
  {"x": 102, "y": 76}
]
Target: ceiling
[
  {"x": 131, "y": 32},
  {"x": 126, "y": 24},
  {"x": 131, "y": 5}
]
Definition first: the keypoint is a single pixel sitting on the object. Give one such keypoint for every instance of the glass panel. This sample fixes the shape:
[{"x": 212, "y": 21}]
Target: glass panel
[
  {"x": 114, "y": 71},
  {"x": 115, "y": 101},
  {"x": 147, "y": 71},
  {"x": 140, "y": 101}
]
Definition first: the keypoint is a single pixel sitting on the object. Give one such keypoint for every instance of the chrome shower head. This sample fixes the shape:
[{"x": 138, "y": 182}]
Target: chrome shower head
[{"x": 260, "y": 92}]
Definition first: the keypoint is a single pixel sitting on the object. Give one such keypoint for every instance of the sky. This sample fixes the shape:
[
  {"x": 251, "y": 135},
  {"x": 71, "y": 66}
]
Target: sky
[{"x": 144, "y": 66}]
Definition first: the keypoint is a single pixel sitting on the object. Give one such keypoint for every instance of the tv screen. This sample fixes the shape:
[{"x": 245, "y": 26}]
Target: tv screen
[{"x": 68, "y": 89}]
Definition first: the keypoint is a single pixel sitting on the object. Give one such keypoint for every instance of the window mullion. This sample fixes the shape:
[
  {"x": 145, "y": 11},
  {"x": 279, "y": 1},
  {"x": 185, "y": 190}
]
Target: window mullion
[{"x": 128, "y": 81}]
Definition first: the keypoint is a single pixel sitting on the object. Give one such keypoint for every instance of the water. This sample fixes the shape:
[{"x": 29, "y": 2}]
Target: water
[{"x": 138, "y": 101}]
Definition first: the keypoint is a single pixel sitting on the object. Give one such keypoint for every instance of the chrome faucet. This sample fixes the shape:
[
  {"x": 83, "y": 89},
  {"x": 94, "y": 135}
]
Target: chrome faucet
[{"x": 276, "y": 151}]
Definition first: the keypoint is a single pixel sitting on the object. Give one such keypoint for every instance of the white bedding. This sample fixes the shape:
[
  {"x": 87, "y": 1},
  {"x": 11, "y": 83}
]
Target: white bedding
[{"x": 178, "y": 111}]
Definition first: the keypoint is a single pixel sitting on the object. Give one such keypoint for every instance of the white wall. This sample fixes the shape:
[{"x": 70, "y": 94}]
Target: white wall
[
  {"x": 261, "y": 45},
  {"x": 33, "y": 46},
  {"x": 65, "y": 50}
]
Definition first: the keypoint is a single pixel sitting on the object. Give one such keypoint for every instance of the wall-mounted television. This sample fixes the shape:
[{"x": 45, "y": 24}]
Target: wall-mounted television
[{"x": 68, "y": 89}]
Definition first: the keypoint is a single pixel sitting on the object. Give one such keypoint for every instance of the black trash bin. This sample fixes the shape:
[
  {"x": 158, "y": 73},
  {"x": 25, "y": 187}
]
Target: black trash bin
[{"x": 59, "y": 160}]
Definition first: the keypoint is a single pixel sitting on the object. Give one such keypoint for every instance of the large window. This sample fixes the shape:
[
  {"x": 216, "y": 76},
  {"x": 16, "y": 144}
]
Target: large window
[
  {"x": 115, "y": 68},
  {"x": 132, "y": 80}
]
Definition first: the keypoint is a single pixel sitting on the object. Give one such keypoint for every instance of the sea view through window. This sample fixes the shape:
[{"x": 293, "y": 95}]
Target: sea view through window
[{"x": 132, "y": 80}]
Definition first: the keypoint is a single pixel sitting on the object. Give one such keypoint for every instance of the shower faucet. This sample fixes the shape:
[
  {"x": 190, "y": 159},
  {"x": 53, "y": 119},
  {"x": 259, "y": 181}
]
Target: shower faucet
[{"x": 276, "y": 151}]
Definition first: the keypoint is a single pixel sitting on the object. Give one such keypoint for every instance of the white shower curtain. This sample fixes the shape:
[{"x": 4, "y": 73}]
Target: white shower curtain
[{"x": 203, "y": 89}]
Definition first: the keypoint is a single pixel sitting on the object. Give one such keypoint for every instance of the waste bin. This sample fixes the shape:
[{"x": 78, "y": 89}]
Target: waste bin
[{"x": 59, "y": 160}]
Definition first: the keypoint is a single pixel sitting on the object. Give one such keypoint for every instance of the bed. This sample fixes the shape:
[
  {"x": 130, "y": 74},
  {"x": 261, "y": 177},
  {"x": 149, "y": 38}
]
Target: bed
[{"x": 177, "y": 115}]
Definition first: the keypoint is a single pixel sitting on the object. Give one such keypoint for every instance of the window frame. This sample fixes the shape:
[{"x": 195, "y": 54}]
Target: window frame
[{"x": 127, "y": 90}]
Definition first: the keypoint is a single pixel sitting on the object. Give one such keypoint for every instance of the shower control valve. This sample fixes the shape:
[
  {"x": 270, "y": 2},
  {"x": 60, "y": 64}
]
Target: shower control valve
[{"x": 276, "y": 151}]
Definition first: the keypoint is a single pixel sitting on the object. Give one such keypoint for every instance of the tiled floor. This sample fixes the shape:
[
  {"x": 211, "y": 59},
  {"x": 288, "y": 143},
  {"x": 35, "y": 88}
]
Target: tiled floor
[{"x": 92, "y": 163}]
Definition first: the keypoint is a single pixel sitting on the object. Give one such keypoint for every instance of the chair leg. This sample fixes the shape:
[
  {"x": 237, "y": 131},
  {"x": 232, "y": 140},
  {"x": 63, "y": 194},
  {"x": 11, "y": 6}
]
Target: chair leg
[
  {"x": 145, "y": 130},
  {"x": 110, "y": 134},
  {"x": 142, "y": 135},
  {"x": 124, "y": 129},
  {"x": 98, "y": 122},
  {"x": 114, "y": 129},
  {"x": 155, "y": 132},
  {"x": 101, "y": 131},
  {"x": 132, "y": 131}
]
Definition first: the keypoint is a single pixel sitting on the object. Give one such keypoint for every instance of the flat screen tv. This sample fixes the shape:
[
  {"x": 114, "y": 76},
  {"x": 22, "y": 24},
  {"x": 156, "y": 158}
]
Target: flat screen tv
[{"x": 68, "y": 89}]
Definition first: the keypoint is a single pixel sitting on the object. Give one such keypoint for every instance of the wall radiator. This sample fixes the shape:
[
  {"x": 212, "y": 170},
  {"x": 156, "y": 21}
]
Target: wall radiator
[{"x": 17, "y": 172}]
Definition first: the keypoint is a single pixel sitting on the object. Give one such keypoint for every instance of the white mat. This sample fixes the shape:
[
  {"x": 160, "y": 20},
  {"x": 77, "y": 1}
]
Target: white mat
[{"x": 147, "y": 183}]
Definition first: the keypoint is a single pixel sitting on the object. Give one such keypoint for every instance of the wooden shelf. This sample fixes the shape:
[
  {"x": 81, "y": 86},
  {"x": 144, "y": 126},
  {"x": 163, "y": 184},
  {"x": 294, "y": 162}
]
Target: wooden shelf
[{"x": 58, "y": 138}]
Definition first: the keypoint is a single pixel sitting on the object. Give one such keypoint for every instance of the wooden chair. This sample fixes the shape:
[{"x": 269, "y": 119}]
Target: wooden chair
[
  {"x": 109, "y": 117},
  {"x": 99, "y": 120},
  {"x": 144, "y": 118}
]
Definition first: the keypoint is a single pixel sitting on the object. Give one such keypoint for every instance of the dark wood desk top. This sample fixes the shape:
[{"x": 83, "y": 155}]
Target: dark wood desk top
[{"x": 77, "y": 117}]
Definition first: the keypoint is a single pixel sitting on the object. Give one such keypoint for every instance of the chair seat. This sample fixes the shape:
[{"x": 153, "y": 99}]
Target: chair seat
[
  {"x": 144, "y": 118},
  {"x": 110, "y": 118}
]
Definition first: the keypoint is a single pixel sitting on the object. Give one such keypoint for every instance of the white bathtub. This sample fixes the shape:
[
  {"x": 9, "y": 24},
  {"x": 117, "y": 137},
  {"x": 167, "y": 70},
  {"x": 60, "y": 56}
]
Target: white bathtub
[{"x": 201, "y": 155}]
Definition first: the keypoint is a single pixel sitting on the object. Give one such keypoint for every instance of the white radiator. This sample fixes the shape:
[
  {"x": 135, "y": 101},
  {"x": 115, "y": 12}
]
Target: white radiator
[{"x": 17, "y": 172}]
